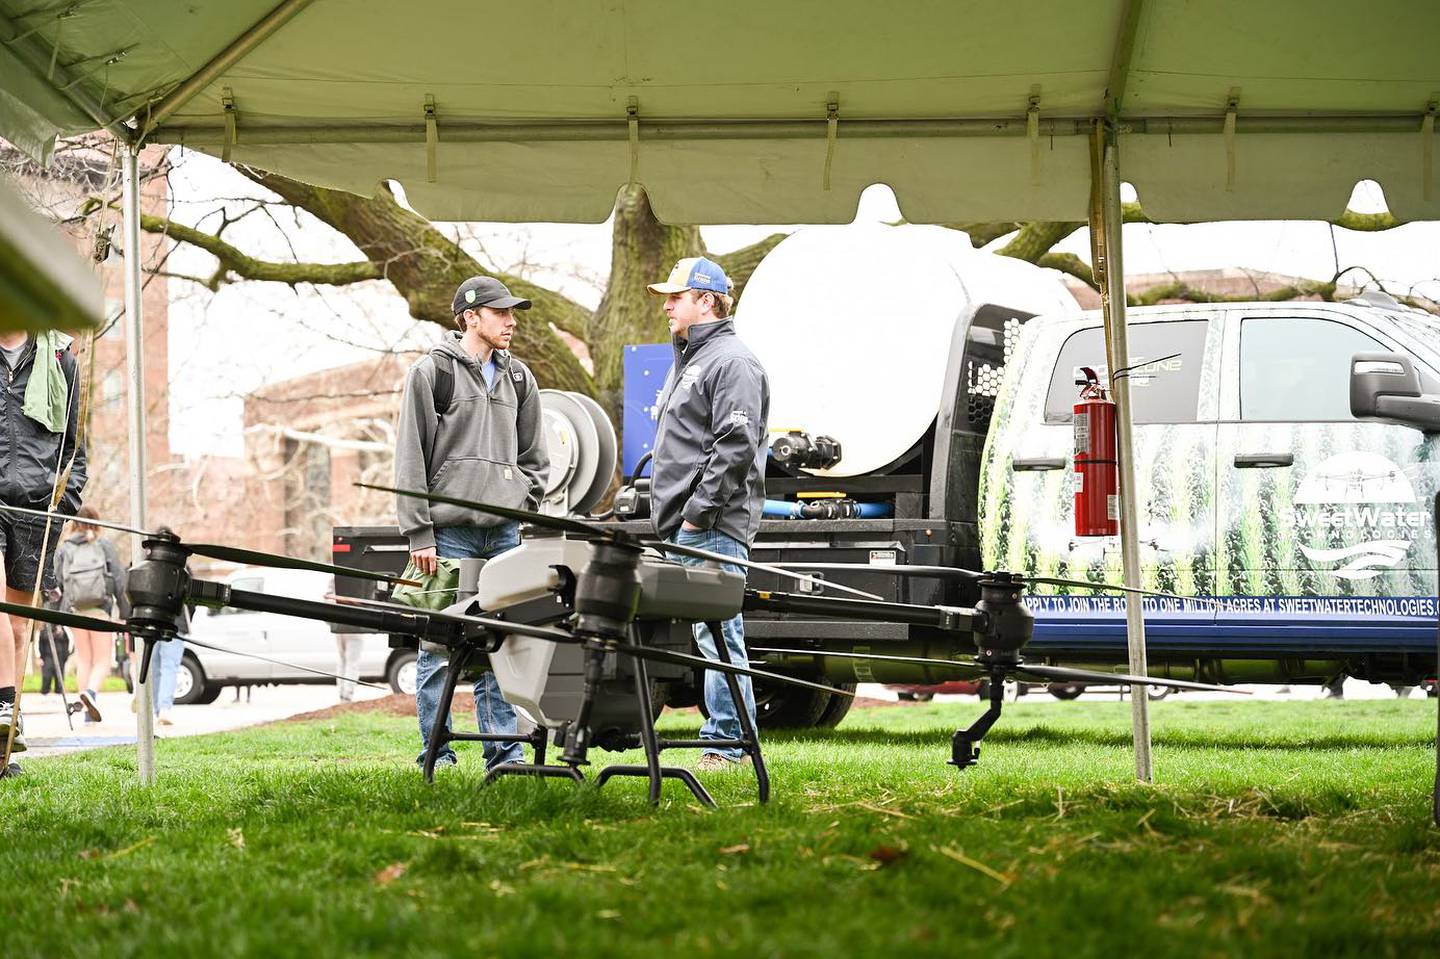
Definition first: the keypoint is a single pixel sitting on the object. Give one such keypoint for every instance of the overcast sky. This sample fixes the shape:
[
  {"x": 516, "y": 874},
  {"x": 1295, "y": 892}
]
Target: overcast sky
[{"x": 249, "y": 334}]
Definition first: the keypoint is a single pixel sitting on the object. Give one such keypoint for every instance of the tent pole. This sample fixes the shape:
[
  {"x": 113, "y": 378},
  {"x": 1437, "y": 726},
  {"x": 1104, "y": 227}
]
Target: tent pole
[
  {"x": 1105, "y": 229},
  {"x": 135, "y": 374}
]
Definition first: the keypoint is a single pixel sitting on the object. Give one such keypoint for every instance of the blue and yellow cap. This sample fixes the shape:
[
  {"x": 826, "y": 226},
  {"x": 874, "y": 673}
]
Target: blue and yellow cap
[{"x": 693, "y": 273}]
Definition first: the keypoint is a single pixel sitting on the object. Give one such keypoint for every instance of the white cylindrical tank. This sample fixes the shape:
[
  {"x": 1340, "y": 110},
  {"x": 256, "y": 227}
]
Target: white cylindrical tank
[{"x": 854, "y": 327}]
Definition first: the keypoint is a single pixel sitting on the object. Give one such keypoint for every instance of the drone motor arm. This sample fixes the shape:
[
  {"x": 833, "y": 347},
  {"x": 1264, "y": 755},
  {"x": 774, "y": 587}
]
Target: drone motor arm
[
  {"x": 948, "y": 618},
  {"x": 423, "y": 625}
]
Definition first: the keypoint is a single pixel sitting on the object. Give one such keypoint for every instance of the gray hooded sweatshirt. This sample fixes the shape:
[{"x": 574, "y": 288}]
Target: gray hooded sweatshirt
[
  {"x": 710, "y": 449},
  {"x": 489, "y": 447}
]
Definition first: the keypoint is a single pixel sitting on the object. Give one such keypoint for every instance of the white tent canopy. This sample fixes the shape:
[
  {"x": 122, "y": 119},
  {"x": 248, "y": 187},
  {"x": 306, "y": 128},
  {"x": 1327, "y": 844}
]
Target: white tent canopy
[{"x": 968, "y": 111}]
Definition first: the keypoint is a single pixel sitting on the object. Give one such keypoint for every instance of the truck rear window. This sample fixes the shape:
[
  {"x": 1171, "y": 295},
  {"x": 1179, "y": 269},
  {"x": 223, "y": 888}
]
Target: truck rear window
[{"x": 1167, "y": 391}]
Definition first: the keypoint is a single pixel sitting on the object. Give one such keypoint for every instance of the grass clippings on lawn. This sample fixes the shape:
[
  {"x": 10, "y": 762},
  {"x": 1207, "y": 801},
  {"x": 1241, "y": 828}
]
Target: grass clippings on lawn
[{"x": 1277, "y": 828}]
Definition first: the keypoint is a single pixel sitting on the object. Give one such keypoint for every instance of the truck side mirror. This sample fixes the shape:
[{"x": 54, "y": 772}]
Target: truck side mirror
[{"x": 1387, "y": 387}]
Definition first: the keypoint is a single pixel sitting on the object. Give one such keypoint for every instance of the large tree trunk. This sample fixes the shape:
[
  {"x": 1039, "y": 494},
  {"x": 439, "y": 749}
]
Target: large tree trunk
[
  {"x": 642, "y": 251},
  {"x": 425, "y": 266}
]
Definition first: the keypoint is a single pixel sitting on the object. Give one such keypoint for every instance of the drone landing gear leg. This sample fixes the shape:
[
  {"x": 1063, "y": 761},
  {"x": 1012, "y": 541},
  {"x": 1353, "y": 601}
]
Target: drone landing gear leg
[
  {"x": 749, "y": 738},
  {"x": 537, "y": 741},
  {"x": 576, "y": 737},
  {"x": 440, "y": 732},
  {"x": 652, "y": 769},
  {"x": 965, "y": 744}
]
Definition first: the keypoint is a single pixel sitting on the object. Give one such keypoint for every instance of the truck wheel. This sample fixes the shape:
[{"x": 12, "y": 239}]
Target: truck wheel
[
  {"x": 189, "y": 681},
  {"x": 790, "y": 707},
  {"x": 838, "y": 709}
]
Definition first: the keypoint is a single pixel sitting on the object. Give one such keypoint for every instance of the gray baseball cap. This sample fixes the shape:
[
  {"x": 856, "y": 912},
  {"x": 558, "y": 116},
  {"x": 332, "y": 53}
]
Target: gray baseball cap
[{"x": 481, "y": 291}]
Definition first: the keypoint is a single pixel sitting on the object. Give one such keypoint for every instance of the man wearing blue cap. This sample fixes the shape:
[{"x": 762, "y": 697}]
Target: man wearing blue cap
[{"x": 708, "y": 472}]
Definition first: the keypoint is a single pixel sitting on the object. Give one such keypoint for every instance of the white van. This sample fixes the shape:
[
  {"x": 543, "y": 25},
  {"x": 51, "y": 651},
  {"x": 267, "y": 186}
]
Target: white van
[{"x": 289, "y": 639}]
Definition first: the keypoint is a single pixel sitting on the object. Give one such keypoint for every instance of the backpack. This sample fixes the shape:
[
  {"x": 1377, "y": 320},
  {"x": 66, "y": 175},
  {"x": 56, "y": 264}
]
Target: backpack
[
  {"x": 86, "y": 584},
  {"x": 445, "y": 382}
]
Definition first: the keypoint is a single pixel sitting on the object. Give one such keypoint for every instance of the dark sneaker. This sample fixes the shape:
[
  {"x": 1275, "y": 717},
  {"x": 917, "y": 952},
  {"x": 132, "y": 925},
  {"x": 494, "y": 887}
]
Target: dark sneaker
[
  {"x": 92, "y": 709},
  {"x": 11, "y": 771}
]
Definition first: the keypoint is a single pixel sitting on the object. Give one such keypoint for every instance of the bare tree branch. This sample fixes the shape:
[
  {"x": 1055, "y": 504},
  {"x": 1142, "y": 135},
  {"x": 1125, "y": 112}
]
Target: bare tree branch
[{"x": 235, "y": 260}]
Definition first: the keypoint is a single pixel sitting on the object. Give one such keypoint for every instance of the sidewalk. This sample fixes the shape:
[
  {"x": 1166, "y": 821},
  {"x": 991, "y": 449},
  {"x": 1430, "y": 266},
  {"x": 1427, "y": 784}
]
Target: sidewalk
[{"x": 49, "y": 734}]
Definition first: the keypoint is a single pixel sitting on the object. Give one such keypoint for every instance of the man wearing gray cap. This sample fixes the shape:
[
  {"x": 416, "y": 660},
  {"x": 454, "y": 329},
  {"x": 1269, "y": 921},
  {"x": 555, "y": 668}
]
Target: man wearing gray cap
[{"x": 470, "y": 427}]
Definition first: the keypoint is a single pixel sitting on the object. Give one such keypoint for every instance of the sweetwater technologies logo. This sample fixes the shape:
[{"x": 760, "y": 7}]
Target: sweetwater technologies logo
[{"x": 1371, "y": 502}]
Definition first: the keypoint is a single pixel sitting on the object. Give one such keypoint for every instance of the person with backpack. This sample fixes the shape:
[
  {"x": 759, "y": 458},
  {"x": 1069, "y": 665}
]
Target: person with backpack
[
  {"x": 54, "y": 642},
  {"x": 41, "y": 458},
  {"x": 470, "y": 427},
  {"x": 92, "y": 581}
]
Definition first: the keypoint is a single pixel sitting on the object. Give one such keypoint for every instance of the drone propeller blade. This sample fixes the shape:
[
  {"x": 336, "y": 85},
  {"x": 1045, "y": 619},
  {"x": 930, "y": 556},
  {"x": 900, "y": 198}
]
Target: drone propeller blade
[
  {"x": 1048, "y": 674},
  {"x": 700, "y": 662},
  {"x": 277, "y": 662},
  {"x": 956, "y": 573},
  {"x": 559, "y": 524},
  {"x": 229, "y": 553},
  {"x": 64, "y": 518},
  {"x": 488, "y": 622},
  {"x": 1051, "y": 674},
  {"x": 564, "y": 524},
  {"x": 1115, "y": 587},
  {"x": 235, "y": 554},
  {"x": 57, "y": 617},
  {"x": 905, "y": 570},
  {"x": 765, "y": 567},
  {"x": 877, "y": 657}
]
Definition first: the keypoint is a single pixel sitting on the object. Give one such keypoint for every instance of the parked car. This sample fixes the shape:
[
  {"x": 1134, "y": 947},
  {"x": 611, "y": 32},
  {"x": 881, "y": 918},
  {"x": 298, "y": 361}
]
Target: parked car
[
  {"x": 287, "y": 639},
  {"x": 910, "y": 692}
]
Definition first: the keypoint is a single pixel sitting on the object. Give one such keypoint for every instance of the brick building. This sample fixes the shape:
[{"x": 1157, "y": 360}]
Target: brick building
[{"x": 308, "y": 439}]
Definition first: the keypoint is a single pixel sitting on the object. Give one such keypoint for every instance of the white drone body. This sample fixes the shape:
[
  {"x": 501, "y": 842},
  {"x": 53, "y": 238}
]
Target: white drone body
[{"x": 545, "y": 679}]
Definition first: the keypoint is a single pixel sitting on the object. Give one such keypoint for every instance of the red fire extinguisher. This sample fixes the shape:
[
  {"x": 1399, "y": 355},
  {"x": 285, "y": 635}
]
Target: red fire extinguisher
[{"x": 1097, "y": 491}]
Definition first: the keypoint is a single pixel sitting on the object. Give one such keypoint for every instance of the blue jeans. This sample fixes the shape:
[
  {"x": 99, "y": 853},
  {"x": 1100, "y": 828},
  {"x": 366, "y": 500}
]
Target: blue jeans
[
  {"x": 492, "y": 713},
  {"x": 166, "y": 665},
  {"x": 724, "y": 721}
]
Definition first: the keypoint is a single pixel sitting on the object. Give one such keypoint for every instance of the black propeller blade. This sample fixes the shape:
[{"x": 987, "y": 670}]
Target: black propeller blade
[
  {"x": 487, "y": 622},
  {"x": 62, "y": 517},
  {"x": 60, "y": 618},
  {"x": 700, "y": 662},
  {"x": 560, "y": 524},
  {"x": 1114, "y": 587},
  {"x": 1065, "y": 673},
  {"x": 566, "y": 525},
  {"x": 1047, "y": 674},
  {"x": 956, "y": 573},
  {"x": 230, "y": 554},
  {"x": 632, "y": 649},
  {"x": 234, "y": 554},
  {"x": 277, "y": 662}
]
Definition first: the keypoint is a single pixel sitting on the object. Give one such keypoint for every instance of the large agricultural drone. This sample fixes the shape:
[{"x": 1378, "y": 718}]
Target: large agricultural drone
[{"x": 571, "y": 625}]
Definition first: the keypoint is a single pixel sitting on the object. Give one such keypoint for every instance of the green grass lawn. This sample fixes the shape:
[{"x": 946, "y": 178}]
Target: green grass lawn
[{"x": 1276, "y": 828}]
